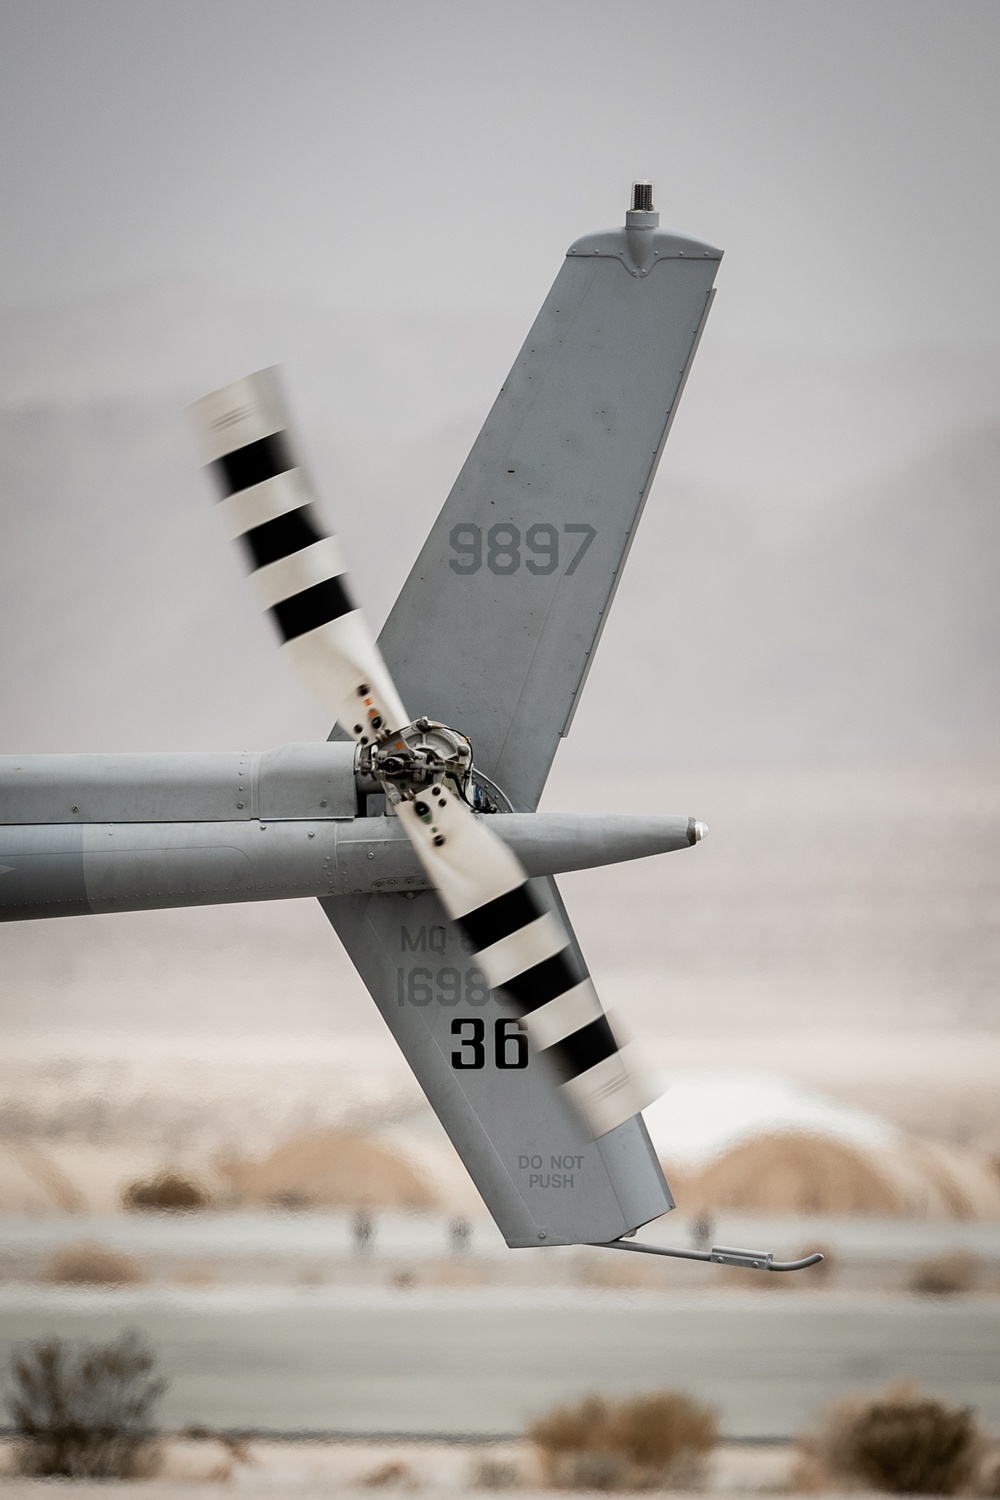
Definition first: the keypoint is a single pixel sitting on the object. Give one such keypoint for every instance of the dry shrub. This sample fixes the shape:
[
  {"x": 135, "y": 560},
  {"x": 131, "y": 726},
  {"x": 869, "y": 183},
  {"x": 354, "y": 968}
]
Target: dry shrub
[
  {"x": 88, "y": 1263},
  {"x": 569, "y": 1429},
  {"x": 167, "y": 1192},
  {"x": 84, "y": 1411},
  {"x": 640, "y": 1443},
  {"x": 944, "y": 1275},
  {"x": 902, "y": 1442},
  {"x": 492, "y": 1473},
  {"x": 987, "y": 1480},
  {"x": 656, "y": 1431}
]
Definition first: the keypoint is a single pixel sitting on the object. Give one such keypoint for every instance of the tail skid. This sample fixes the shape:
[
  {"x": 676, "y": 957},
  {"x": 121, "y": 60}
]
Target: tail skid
[{"x": 719, "y": 1255}]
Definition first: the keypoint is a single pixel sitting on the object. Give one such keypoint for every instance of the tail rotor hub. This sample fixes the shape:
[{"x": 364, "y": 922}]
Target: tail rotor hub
[{"x": 422, "y": 754}]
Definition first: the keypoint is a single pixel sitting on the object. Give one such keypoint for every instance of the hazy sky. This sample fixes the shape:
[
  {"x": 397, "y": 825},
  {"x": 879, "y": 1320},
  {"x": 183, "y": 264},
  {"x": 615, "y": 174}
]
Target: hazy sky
[{"x": 442, "y": 153}]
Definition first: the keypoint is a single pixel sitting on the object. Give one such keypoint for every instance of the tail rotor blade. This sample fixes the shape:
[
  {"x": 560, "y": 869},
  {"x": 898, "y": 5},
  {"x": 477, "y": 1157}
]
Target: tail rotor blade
[
  {"x": 299, "y": 573},
  {"x": 523, "y": 951},
  {"x": 299, "y": 570}
]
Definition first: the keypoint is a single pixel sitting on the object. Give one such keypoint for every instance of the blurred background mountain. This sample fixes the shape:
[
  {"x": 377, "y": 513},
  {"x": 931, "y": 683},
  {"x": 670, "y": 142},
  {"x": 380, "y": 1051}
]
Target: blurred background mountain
[{"x": 814, "y": 576}]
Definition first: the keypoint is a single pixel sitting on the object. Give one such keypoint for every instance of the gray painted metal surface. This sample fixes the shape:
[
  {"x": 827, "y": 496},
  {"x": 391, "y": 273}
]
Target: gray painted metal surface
[
  {"x": 519, "y": 571},
  {"x": 58, "y": 869},
  {"x": 293, "y": 781},
  {"x": 521, "y": 565},
  {"x": 541, "y": 1174}
]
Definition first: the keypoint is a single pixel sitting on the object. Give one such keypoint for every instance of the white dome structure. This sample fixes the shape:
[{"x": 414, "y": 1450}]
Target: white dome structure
[{"x": 757, "y": 1142}]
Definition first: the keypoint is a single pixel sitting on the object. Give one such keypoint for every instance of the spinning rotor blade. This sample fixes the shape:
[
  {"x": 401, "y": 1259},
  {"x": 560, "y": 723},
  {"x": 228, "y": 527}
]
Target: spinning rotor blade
[
  {"x": 298, "y": 569},
  {"x": 524, "y": 952},
  {"x": 300, "y": 575}
]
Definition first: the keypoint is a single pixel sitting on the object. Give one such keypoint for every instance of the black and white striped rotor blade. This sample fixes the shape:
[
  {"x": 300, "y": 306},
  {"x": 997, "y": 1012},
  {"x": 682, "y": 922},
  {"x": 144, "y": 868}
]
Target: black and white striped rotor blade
[
  {"x": 524, "y": 952},
  {"x": 298, "y": 568}
]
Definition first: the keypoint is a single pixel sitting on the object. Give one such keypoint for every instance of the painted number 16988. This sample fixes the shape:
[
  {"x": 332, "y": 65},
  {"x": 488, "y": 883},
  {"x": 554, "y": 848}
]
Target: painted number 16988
[{"x": 503, "y": 548}]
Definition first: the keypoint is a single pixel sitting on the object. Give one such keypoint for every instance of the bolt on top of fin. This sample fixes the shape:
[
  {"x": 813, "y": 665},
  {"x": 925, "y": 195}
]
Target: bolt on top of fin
[
  {"x": 642, "y": 197},
  {"x": 641, "y": 217},
  {"x": 641, "y": 222}
]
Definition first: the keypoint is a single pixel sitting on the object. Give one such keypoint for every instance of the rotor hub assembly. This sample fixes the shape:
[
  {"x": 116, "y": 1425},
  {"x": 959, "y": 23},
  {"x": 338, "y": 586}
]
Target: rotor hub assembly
[{"x": 419, "y": 755}]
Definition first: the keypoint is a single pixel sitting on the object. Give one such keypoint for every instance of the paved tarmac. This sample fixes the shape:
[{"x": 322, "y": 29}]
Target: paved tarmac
[
  {"x": 484, "y": 1362},
  {"x": 248, "y": 1234}
]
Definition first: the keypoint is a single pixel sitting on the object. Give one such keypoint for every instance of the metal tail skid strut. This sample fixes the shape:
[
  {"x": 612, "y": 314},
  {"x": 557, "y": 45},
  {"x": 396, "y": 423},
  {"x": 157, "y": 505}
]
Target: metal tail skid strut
[{"x": 719, "y": 1255}]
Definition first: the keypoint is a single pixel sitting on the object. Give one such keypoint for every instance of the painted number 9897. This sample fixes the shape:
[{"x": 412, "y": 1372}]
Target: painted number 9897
[{"x": 503, "y": 548}]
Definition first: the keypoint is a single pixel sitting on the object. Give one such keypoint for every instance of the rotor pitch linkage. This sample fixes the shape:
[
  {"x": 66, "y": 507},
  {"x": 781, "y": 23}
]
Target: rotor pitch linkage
[
  {"x": 420, "y": 755},
  {"x": 719, "y": 1255}
]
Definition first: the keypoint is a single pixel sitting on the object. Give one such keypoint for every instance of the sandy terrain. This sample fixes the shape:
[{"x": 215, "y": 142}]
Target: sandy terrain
[{"x": 210, "y": 1467}]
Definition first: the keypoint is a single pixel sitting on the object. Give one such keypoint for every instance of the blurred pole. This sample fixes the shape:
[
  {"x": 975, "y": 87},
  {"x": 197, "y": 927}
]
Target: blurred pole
[
  {"x": 363, "y": 1229},
  {"x": 702, "y": 1231},
  {"x": 460, "y": 1235}
]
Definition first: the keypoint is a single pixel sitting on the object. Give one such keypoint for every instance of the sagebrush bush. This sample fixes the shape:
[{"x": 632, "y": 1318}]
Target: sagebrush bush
[
  {"x": 167, "y": 1192},
  {"x": 571, "y": 1429},
  {"x": 636, "y": 1443},
  {"x": 903, "y": 1442},
  {"x": 84, "y": 1411},
  {"x": 987, "y": 1482},
  {"x": 492, "y": 1473}
]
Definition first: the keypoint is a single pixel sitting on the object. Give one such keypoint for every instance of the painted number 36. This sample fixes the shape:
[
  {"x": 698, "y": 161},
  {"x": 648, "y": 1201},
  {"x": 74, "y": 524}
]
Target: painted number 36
[
  {"x": 503, "y": 548},
  {"x": 510, "y": 1045}
]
